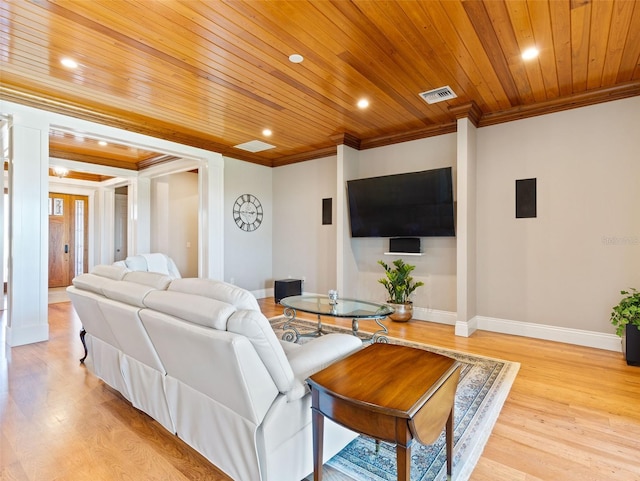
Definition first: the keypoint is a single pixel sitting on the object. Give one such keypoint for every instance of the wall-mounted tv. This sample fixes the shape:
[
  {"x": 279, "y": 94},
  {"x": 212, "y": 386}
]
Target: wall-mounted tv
[{"x": 414, "y": 204}]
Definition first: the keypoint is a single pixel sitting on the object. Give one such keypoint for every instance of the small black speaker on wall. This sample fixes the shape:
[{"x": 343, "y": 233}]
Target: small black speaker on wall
[
  {"x": 526, "y": 198},
  {"x": 326, "y": 211},
  {"x": 410, "y": 245}
]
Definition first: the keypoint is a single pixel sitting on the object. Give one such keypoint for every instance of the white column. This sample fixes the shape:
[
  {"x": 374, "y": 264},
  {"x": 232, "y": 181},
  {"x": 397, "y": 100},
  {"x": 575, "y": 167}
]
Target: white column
[
  {"x": 466, "y": 228},
  {"x": 29, "y": 231},
  {"x": 4, "y": 154},
  {"x": 105, "y": 222},
  {"x": 160, "y": 215},
  {"x": 211, "y": 221},
  {"x": 139, "y": 225},
  {"x": 346, "y": 268}
]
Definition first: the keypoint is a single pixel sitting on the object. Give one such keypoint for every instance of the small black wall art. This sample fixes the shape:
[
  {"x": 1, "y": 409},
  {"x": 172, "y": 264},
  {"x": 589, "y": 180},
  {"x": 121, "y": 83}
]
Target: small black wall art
[{"x": 526, "y": 202}]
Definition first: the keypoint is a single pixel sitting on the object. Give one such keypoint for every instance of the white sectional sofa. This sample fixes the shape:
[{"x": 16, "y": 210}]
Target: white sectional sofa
[{"x": 199, "y": 357}]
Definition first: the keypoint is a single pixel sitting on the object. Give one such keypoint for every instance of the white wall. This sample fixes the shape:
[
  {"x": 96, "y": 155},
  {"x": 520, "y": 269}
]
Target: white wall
[
  {"x": 554, "y": 277},
  {"x": 248, "y": 255},
  {"x": 174, "y": 219},
  {"x": 566, "y": 267},
  {"x": 437, "y": 266},
  {"x": 303, "y": 248}
]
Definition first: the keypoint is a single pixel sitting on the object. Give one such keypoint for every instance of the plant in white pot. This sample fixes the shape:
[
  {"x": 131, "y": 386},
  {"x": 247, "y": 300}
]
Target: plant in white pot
[
  {"x": 625, "y": 316},
  {"x": 400, "y": 285}
]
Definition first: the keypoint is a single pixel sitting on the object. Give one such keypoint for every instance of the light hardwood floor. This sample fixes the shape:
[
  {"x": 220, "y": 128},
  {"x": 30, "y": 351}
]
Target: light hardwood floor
[{"x": 573, "y": 413}]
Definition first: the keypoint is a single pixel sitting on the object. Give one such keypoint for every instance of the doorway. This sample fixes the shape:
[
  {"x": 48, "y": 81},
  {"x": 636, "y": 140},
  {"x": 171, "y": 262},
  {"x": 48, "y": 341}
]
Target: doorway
[
  {"x": 68, "y": 237},
  {"x": 120, "y": 224}
]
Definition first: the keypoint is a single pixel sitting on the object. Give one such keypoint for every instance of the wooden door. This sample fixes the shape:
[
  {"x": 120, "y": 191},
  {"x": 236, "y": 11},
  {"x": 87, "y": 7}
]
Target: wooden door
[{"x": 67, "y": 238}]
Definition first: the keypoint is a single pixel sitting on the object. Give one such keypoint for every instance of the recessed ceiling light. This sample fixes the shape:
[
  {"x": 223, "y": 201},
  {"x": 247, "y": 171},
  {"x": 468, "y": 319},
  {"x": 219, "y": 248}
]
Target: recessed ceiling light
[
  {"x": 69, "y": 62},
  {"x": 296, "y": 58},
  {"x": 60, "y": 171},
  {"x": 102, "y": 143},
  {"x": 363, "y": 103},
  {"x": 267, "y": 133},
  {"x": 530, "y": 53}
]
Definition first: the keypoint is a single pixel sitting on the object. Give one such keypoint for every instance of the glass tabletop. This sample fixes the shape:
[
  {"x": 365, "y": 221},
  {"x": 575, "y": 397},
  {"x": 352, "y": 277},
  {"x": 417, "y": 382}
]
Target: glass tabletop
[{"x": 350, "y": 308}]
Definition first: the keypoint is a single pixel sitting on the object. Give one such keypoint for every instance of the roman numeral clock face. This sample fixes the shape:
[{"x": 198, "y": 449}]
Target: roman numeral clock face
[{"x": 247, "y": 212}]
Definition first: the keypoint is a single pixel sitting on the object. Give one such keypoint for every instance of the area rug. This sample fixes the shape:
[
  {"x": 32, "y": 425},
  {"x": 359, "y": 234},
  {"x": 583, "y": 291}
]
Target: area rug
[{"x": 483, "y": 387}]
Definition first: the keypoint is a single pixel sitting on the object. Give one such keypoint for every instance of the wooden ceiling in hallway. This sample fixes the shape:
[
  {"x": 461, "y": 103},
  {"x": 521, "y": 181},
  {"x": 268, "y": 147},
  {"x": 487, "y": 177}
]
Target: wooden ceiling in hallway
[{"x": 214, "y": 74}]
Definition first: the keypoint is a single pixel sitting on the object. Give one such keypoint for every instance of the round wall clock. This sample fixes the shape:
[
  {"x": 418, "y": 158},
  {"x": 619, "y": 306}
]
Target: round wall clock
[{"x": 247, "y": 212}]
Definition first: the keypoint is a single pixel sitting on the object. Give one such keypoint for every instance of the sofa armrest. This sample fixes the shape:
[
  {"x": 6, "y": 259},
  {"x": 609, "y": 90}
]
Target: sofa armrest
[{"x": 320, "y": 352}]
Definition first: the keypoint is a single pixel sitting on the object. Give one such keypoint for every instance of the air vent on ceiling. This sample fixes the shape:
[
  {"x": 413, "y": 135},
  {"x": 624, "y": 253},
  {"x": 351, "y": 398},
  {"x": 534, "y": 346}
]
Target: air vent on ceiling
[
  {"x": 254, "y": 146},
  {"x": 438, "y": 95}
]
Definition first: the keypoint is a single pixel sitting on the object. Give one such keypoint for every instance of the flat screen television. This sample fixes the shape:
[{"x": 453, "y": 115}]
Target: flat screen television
[{"x": 414, "y": 204}]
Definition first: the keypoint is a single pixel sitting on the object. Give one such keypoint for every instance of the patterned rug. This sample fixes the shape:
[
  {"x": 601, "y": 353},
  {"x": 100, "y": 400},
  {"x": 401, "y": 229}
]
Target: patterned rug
[{"x": 483, "y": 387}]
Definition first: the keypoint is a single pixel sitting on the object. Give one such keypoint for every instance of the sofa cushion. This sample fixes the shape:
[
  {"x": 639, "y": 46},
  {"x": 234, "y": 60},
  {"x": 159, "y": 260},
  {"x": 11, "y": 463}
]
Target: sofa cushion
[
  {"x": 256, "y": 328},
  {"x": 131, "y": 293},
  {"x": 92, "y": 283},
  {"x": 321, "y": 352},
  {"x": 196, "y": 309},
  {"x": 110, "y": 272},
  {"x": 151, "y": 279},
  {"x": 222, "y": 291}
]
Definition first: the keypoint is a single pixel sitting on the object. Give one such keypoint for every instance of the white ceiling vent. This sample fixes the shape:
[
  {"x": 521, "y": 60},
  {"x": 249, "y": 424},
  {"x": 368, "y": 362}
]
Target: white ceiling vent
[
  {"x": 254, "y": 146},
  {"x": 438, "y": 95}
]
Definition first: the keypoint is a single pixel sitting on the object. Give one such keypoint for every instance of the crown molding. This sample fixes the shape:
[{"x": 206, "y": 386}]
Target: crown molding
[
  {"x": 469, "y": 110},
  {"x": 304, "y": 156},
  {"x": 432, "y": 131},
  {"x": 618, "y": 92},
  {"x": 347, "y": 139}
]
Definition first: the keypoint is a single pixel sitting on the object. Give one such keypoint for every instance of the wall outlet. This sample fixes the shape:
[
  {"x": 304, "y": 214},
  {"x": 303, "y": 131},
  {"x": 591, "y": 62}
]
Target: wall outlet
[{"x": 232, "y": 281}]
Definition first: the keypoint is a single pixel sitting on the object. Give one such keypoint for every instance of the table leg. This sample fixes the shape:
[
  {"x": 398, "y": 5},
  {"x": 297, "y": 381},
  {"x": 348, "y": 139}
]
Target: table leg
[
  {"x": 449, "y": 438},
  {"x": 317, "y": 423},
  {"x": 380, "y": 335},
  {"x": 84, "y": 345},
  {"x": 319, "y": 327},
  {"x": 403, "y": 461},
  {"x": 290, "y": 333}
]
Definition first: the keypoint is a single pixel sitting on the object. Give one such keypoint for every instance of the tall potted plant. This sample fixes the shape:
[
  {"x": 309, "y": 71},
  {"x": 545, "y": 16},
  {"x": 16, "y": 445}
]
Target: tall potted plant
[
  {"x": 399, "y": 285},
  {"x": 625, "y": 316}
]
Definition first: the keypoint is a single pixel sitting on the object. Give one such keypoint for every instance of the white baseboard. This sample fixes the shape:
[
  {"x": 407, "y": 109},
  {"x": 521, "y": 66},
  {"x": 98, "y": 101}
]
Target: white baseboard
[
  {"x": 26, "y": 335},
  {"x": 262, "y": 293},
  {"x": 599, "y": 340},
  {"x": 434, "y": 315},
  {"x": 578, "y": 337},
  {"x": 465, "y": 329}
]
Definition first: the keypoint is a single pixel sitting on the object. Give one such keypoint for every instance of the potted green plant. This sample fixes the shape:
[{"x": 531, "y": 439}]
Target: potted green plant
[
  {"x": 625, "y": 317},
  {"x": 400, "y": 285}
]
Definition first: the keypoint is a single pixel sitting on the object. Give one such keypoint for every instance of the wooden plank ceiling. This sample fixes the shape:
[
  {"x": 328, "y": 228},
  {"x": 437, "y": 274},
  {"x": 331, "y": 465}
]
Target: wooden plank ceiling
[{"x": 214, "y": 74}]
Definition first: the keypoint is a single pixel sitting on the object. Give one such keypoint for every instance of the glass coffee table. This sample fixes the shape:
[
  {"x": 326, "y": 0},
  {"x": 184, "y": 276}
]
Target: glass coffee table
[{"x": 344, "y": 308}]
